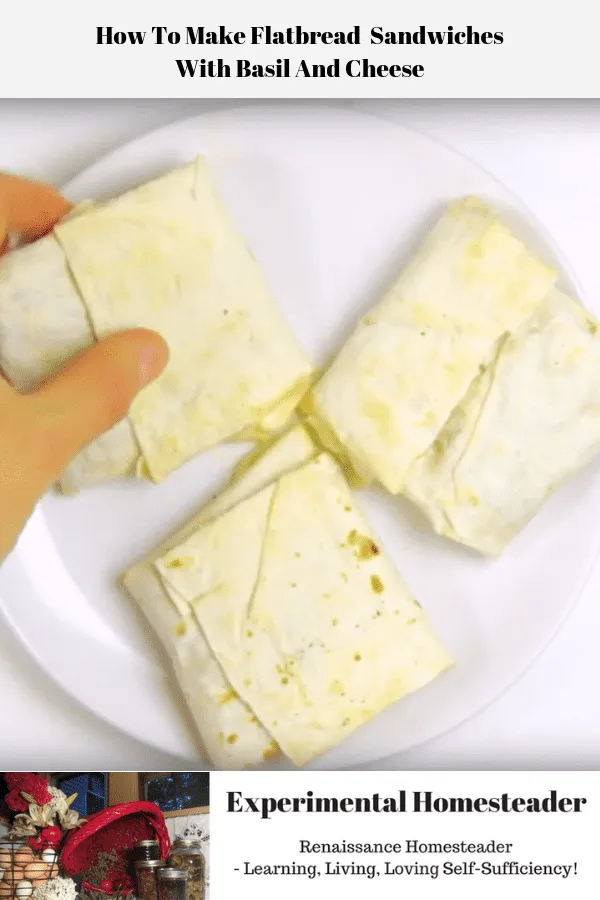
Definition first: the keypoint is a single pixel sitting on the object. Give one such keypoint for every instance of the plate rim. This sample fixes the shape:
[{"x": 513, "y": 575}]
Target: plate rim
[{"x": 352, "y": 111}]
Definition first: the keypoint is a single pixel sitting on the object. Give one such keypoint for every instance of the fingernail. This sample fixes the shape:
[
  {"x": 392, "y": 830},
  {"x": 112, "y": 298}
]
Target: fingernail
[{"x": 151, "y": 362}]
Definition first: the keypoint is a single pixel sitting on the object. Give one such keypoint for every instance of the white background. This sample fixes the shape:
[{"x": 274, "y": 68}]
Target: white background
[
  {"x": 550, "y": 50},
  {"x": 543, "y": 838},
  {"x": 549, "y": 153}
]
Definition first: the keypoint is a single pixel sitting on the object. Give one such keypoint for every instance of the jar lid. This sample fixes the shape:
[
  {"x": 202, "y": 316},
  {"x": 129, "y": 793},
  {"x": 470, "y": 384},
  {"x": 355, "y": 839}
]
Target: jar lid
[
  {"x": 149, "y": 863},
  {"x": 168, "y": 873},
  {"x": 196, "y": 850},
  {"x": 146, "y": 844},
  {"x": 187, "y": 842}
]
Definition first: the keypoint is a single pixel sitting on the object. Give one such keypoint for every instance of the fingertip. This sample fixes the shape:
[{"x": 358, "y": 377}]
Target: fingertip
[
  {"x": 142, "y": 346},
  {"x": 153, "y": 356},
  {"x": 95, "y": 390}
]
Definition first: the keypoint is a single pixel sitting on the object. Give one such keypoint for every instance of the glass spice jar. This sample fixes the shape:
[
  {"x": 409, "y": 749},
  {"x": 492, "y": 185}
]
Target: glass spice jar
[
  {"x": 185, "y": 842},
  {"x": 187, "y": 854},
  {"x": 146, "y": 871},
  {"x": 172, "y": 884},
  {"x": 145, "y": 850}
]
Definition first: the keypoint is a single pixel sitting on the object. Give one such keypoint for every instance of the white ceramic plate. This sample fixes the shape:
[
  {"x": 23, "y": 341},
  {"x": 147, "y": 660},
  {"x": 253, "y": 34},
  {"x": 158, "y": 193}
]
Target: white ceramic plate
[{"x": 332, "y": 202}]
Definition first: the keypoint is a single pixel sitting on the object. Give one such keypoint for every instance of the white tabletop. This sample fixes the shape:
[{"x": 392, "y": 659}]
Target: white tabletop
[{"x": 549, "y": 154}]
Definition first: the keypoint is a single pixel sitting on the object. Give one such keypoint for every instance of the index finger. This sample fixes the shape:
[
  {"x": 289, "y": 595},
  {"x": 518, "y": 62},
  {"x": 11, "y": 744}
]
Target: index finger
[{"x": 29, "y": 208}]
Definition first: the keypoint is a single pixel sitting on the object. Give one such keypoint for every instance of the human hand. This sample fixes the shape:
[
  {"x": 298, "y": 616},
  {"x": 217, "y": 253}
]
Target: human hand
[{"x": 41, "y": 432}]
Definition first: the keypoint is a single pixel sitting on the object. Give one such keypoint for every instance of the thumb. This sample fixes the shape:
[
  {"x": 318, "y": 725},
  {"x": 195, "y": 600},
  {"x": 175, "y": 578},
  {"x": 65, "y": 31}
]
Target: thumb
[{"x": 94, "y": 392}]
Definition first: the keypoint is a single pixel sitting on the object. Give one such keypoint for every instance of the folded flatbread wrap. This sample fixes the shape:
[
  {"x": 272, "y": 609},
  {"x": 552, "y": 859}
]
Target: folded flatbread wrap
[
  {"x": 311, "y": 624},
  {"x": 412, "y": 358},
  {"x": 215, "y": 707},
  {"x": 43, "y": 323},
  {"x": 40, "y": 328},
  {"x": 167, "y": 257},
  {"x": 527, "y": 424}
]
